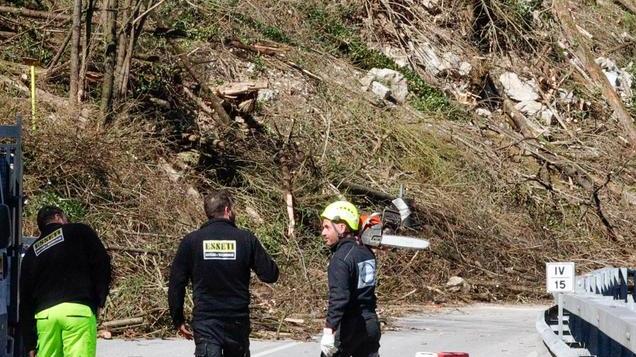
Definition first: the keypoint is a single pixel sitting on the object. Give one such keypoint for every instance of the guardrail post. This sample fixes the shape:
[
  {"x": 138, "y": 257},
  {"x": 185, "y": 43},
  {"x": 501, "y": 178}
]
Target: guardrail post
[{"x": 560, "y": 303}]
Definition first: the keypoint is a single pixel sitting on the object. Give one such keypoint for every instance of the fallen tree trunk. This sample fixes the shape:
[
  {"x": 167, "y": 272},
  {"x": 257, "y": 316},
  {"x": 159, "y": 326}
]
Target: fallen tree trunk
[
  {"x": 41, "y": 95},
  {"x": 7, "y": 34},
  {"x": 214, "y": 99},
  {"x": 45, "y": 15},
  {"x": 19, "y": 68},
  {"x": 595, "y": 72},
  {"x": 630, "y": 5}
]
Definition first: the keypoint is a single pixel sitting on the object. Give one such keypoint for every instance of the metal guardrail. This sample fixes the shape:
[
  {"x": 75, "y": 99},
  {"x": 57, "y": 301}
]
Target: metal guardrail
[
  {"x": 551, "y": 340},
  {"x": 601, "y": 316}
]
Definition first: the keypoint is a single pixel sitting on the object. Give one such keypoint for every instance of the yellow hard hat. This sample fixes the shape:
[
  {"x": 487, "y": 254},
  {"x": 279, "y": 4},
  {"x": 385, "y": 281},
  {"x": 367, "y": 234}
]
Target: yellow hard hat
[{"x": 343, "y": 211}]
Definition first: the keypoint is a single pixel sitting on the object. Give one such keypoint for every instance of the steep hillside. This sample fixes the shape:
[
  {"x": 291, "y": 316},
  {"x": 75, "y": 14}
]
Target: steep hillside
[{"x": 515, "y": 141}]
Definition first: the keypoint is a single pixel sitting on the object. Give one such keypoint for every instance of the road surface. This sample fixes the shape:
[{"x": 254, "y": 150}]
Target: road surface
[{"x": 480, "y": 330}]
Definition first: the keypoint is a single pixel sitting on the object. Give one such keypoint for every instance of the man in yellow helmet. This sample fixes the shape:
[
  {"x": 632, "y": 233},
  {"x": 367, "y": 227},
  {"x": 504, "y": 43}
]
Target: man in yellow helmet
[{"x": 351, "y": 327}]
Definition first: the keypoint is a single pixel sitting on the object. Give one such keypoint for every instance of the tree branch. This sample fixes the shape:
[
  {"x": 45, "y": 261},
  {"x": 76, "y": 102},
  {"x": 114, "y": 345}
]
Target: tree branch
[{"x": 45, "y": 15}]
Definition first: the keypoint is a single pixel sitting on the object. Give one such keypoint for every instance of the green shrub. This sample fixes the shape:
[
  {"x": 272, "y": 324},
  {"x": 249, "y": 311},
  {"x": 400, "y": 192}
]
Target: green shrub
[{"x": 73, "y": 208}]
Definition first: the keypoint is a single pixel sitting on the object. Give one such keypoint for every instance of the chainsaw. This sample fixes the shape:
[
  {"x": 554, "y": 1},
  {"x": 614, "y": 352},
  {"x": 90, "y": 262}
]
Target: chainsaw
[{"x": 378, "y": 228}]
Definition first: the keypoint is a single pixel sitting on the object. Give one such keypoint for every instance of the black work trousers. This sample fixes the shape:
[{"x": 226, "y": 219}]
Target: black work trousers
[
  {"x": 358, "y": 336},
  {"x": 222, "y": 337}
]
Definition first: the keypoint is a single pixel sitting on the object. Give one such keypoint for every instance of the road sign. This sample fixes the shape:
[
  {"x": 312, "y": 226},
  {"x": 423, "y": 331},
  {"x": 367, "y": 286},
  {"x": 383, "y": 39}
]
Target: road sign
[{"x": 560, "y": 277}]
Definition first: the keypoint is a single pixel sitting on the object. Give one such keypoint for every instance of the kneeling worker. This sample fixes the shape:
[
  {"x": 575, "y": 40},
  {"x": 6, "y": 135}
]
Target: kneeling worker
[{"x": 352, "y": 327}]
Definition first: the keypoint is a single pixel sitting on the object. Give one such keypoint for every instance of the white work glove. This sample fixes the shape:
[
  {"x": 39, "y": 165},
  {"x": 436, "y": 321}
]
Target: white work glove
[{"x": 328, "y": 343}]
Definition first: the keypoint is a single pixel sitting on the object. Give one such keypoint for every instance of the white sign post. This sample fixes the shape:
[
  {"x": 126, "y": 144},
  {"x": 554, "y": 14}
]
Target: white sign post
[{"x": 560, "y": 278}]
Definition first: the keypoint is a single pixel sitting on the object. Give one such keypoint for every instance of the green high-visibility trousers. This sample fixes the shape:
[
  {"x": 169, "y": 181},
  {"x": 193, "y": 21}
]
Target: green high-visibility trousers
[{"x": 66, "y": 330}]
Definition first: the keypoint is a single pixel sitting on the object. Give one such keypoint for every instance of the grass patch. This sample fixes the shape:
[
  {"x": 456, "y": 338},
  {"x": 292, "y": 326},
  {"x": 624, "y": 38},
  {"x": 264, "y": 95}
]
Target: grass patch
[
  {"x": 73, "y": 208},
  {"x": 629, "y": 20},
  {"x": 268, "y": 31}
]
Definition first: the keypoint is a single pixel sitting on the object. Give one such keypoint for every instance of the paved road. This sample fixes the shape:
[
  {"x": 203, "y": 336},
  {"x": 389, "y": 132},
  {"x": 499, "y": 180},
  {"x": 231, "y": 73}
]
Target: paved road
[{"x": 480, "y": 330}]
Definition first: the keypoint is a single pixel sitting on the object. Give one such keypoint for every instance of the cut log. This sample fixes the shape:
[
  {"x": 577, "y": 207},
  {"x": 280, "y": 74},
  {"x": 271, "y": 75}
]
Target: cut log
[
  {"x": 233, "y": 90},
  {"x": 123, "y": 322},
  {"x": 294, "y": 321}
]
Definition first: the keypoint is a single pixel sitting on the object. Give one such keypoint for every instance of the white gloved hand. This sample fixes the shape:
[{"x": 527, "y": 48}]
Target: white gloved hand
[{"x": 328, "y": 343}]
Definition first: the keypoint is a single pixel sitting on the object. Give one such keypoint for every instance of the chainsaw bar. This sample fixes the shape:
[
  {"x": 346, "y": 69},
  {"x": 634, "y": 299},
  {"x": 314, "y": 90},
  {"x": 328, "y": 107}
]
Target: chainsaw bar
[{"x": 389, "y": 240}]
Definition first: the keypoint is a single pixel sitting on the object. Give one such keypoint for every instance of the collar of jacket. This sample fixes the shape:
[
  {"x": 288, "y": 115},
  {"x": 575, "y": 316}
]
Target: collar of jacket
[
  {"x": 342, "y": 242},
  {"x": 49, "y": 228},
  {"x": 220, "y": 220}
]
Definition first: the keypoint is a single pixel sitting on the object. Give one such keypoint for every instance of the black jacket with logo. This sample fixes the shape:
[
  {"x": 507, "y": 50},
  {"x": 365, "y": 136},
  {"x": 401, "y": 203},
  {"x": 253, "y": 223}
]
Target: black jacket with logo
[
  {"x": 352, "y": 280},
  {"x": 67, "y": 263},
  {"x": 218, "y": 259}
]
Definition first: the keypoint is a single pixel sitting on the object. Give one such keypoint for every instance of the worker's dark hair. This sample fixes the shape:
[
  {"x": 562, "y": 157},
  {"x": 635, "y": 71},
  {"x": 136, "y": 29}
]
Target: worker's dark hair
[
  {"x": 216, "y": 202},
  {"x": 46, "y": 215}
]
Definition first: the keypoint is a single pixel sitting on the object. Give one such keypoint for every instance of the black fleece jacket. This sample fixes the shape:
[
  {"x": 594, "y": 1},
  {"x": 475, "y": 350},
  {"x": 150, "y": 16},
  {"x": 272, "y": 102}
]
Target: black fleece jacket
[
  {"x": 218, "y": 259},
  {"x": 67, "y": 263},
  {"x": 352, "y": 281}
]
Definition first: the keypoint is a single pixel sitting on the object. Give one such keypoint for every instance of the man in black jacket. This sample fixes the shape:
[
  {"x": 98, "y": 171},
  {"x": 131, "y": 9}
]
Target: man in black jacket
[
  {"x": 64, "y": 280},
  {"x": 218, "y": 259},
  {"x": 352, "y": 327}
]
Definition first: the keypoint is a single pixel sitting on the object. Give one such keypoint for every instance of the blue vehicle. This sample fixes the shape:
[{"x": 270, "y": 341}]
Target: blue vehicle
[{"x": 11, "y": 200}]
